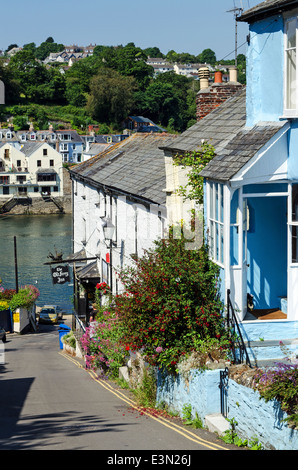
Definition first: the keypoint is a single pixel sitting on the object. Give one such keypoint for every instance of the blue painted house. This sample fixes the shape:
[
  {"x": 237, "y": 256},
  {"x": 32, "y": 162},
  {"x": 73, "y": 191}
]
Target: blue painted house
[{"x": 251, "y": 185}]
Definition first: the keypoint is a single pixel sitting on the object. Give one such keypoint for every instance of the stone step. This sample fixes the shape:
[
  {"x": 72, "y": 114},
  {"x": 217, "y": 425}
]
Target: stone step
[
  {"x": 216, "y": 423},
  {"x": 268, "y": 352}
]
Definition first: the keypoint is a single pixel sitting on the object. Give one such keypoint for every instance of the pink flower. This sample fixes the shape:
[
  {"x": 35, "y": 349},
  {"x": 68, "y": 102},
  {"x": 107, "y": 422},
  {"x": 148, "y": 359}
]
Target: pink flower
[{"x": 158, "y": 349}]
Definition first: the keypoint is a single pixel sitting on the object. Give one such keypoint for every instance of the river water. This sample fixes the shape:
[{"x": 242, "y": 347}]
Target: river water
[{"x": 36, "y": 237}]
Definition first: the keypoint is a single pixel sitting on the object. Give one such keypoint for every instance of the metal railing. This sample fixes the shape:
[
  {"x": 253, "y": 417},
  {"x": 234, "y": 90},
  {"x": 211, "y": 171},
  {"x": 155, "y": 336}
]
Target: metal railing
[
  {"x": 78, "y": 327},
  {"x": 223, "y": 385},
  {"x": 239, "y": 351}
]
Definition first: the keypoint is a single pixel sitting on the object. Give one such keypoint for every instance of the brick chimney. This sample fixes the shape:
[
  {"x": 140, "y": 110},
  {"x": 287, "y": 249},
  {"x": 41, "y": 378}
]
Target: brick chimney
[{"x": 209, "y": 98}]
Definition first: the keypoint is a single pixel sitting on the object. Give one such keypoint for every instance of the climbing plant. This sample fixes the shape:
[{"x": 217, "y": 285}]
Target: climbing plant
[{"x": 195, "y": 162}]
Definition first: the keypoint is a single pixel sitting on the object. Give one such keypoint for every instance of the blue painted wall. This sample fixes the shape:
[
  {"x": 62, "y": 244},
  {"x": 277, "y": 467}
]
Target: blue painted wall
[
  {"x": 267, "y": 251},
  {"x": 265, "y": 65}
]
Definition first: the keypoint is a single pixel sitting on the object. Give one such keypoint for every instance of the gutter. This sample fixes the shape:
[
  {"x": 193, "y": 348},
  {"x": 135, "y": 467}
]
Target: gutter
[{"x": 252, "y": 15}]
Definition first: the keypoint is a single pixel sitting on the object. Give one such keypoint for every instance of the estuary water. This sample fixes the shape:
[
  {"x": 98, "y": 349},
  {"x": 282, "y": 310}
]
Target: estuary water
[{"x": 36, "y": 237}]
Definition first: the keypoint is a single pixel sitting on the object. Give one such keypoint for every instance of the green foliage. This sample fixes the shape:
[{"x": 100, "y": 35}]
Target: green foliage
[
  {"x": 280, "y": 383},
  {"x": 189, "y": 420},
  {"x": 26, "y": 297},
  {"x": 111, "y": 96},
  {"x": 195, "y": 162},
  {"x": 69, "y": 339},
  {"x": 230, "y": 437},
  {"x": 170, "y": 302},
  {"x": 145, "y": 393}
]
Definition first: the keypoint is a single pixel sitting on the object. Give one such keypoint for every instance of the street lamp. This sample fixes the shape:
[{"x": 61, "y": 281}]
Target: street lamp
[{"x": 108, "y": 232}]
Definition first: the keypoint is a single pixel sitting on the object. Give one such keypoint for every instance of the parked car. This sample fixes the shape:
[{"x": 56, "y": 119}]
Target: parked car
[
  {"x": 48, "y": 314},
  {"x": 2, "y": 334}
]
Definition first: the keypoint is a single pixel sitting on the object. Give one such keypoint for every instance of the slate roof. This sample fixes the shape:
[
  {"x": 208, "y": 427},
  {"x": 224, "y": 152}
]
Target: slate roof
[
  {"x": 240, "y": 150},
  {"x": 218, "y": 127},
  {"x": 267, "y": 8},
  {"x": 234, "y": 143},
  {"x": 29, "y": 147},
  {"x": 135, "y": 166}
]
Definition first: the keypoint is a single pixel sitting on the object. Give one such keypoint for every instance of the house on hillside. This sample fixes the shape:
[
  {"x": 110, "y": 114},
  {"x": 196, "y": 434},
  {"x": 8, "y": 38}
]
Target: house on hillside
[
  {"x": 141, "y": 124},
  {"x": 31, "y": 172},
  {"x": 122, "y": 189}
]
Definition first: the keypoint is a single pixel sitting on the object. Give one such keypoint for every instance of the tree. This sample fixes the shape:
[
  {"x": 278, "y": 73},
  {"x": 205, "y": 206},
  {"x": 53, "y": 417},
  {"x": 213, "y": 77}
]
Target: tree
[
  {"x": 153, "y": 52},
  {"x": 111, "y": 96},
  {"x": 28, "y": 72},
  {"x": 207, "y": 56},
  {"x": 46, "y": 47}
]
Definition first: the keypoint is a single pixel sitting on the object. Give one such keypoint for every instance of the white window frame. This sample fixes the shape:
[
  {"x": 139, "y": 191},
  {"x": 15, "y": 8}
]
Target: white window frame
[
  {"x": 293, "y": 225},
  {"x": 215, "y": 201},
  {"x": 293, "y": 111}
]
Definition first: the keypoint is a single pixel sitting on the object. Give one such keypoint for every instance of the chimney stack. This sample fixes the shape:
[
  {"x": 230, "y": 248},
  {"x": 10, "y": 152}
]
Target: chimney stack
[{"x": 210, "y": 97}]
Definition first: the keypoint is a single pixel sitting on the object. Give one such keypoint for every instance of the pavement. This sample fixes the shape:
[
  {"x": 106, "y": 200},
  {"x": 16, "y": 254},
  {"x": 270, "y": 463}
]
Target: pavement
[{"x": 49, "y": 401}]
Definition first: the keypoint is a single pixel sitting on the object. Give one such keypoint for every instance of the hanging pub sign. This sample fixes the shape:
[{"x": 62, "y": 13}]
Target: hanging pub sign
[{"x": 60, "y": 274}]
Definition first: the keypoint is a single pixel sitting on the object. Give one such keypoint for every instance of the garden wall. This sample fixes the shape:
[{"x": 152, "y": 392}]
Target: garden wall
[{"x": 255, "y": 417}]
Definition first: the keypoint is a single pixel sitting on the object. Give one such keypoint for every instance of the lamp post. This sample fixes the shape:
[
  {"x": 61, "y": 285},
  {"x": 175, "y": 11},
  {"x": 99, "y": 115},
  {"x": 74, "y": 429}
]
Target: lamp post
[{"x": 108, "y": 232}]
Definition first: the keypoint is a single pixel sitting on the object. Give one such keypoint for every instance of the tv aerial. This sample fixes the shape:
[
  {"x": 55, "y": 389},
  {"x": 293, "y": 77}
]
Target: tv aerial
[{"x": 237, "y": 12}]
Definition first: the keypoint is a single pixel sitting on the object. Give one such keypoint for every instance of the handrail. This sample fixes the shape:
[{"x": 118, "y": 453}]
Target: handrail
[
  {"x": 77, "y": 322},
  {"x": 236, "y": 336}
]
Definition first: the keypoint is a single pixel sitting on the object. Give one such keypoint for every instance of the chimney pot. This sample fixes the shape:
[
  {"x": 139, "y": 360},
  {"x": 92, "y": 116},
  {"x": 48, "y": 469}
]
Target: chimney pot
[
  {"x": 233, "y": 74},
  {"x": 218, "y": 77},
  {"x": 204, "y": 77}
]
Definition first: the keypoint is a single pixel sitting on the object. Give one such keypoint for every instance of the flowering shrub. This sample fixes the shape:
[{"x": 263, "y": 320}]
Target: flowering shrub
[
  {"x": 280, "y": 383},
  {"x": 4, "y": 305},
  {"x": 102, "y": 343},
  {"x": 170, "y": 303},
  {"x": 26, "y": 297},
  {"x": 7, "y": 294},
  {"x": 102, "y": 288}
]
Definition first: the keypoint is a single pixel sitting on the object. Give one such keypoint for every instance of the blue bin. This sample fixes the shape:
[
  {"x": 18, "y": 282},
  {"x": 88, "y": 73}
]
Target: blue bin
[{"x": 63, "y": 330}]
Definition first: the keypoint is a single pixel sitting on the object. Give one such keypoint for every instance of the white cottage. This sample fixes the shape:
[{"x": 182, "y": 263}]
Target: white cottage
[{"x": 123, "y": 188}]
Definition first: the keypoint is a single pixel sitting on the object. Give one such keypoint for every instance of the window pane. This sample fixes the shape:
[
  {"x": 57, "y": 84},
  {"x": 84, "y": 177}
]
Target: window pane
[
  {"x": 295, "y": 203},
  {"x": 291, "y": 64},
  {"x": 212, "y": 201},
  {"x": 291, "y": 33},
  {"x": 294, "y": 244},
  {"x": 221, "y": 217},
  {"x": 216, "y": 200},
  {"x": 212, "y": 253},
  {"x": 221, "y": 244},
  {"x": 291, "y": 79}
]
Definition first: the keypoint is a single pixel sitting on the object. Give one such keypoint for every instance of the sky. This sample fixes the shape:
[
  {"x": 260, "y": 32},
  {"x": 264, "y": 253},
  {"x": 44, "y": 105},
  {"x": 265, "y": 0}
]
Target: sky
[{"x": 179, "y": 25}]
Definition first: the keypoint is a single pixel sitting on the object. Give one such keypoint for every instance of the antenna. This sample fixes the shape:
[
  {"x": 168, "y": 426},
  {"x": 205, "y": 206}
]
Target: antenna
[{"x": 237, "y": 11}]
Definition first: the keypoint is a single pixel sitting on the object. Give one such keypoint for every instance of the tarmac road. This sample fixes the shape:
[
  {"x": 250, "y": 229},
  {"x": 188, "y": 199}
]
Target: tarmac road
[{"x": 48, "y": 401}]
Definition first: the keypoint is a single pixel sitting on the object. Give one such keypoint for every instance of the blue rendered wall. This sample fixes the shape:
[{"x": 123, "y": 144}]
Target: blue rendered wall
[
  {"x": 265, "y": 65},
  {"x": 255, "y": 417}
]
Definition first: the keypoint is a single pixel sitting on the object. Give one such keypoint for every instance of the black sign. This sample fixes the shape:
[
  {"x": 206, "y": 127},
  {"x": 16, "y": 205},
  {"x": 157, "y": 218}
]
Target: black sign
[{"x": 60, "y": 274}]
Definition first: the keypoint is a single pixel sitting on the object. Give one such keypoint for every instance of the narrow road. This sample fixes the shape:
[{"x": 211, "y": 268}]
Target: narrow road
[{"x": 48, "y": 401}]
